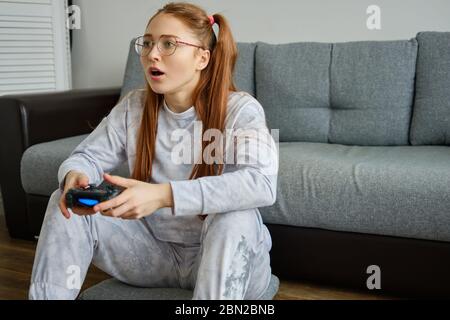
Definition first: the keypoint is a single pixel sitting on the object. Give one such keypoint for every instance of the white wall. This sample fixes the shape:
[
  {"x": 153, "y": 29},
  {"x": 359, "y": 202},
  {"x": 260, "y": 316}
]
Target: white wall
[{"x": 100, "y": 47}]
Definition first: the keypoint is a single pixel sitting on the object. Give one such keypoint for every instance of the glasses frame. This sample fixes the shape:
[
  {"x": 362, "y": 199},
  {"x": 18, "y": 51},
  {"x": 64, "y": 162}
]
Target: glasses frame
[{"x": 178, "y": 42}]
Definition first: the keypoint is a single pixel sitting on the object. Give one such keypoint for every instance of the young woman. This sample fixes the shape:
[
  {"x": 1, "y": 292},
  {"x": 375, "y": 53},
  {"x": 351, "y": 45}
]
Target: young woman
[{"x": 190, "y": 224}]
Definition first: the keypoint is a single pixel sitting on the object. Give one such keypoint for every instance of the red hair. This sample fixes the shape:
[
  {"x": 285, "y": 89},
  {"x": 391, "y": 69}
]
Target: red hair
[{"x": 210, "y": 96}]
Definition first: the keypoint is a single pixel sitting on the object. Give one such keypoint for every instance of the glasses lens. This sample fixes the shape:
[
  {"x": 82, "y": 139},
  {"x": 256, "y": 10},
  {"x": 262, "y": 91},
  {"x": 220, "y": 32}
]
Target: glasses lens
[
  {"x": 143, "y": 46},
  {"x": 167, "y": 45},
  {"x": 138, "y": 45}
]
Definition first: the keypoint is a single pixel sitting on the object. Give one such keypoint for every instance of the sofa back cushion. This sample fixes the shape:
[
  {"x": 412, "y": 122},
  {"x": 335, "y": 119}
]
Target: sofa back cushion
[
  {"x": 357, "y": 93},
  {"x": 134, "y": 76},
  {"x": 244, "y": 71},
  {"x": 292, "y": 85},
  {"x": 431, "y": 113}
]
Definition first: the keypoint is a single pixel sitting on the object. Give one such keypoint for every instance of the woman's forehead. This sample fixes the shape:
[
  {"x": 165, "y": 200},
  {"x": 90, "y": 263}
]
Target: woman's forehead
[{"x": 165, "y": 24}]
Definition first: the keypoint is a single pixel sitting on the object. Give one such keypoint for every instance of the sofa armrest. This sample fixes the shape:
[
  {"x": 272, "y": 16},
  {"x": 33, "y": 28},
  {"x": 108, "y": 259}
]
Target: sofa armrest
[
  {"x": 29, "y": 119},
  {"x": 45, "y": 117}
]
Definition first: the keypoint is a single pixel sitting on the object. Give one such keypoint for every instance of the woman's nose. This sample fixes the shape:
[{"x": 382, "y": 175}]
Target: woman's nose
[{"x": 154, "y": 53}]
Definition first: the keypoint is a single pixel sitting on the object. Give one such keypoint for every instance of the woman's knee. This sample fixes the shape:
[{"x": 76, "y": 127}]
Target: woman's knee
[
  {"x": 56, "y": 195},
  {"x": 54, "y": 216},
  {"x": 53, "y": 203},
  {"x": 233, "y": 224}
]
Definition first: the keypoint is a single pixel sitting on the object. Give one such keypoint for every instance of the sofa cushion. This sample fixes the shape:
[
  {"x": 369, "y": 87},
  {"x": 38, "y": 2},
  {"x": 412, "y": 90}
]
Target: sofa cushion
[
  {"x": 244, "y": 71},
  {"x": 431, "y": 115},
  {"x": 357, "y": 93},
  {"x": 134, "y": 76},
  {"x": 372, "y": 89},
  {"x": 40, "y": 163},
  {"x": 399, "y": 191},
  {"x": 243, "y": 76},
  {"x": 292, "y": 85}
]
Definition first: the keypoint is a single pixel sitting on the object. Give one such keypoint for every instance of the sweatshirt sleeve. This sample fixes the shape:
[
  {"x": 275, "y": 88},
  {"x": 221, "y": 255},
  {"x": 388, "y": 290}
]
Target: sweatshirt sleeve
[
  {"x": 103, "y": 150},
  {"x": 252, "y": 180}
]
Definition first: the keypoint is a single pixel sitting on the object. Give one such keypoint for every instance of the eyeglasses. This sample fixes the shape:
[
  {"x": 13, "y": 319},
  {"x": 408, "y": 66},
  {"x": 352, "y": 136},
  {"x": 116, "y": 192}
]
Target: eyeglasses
[{"x": 166, "y": 45}]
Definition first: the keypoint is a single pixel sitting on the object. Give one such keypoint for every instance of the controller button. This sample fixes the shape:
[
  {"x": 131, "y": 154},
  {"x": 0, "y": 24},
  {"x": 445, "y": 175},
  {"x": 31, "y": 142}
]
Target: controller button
[{"x": 88, "y": 202}]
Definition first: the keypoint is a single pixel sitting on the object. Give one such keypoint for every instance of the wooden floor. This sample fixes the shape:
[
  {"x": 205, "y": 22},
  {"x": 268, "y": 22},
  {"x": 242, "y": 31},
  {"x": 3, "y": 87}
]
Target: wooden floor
[{"x": 16, "y": 260}]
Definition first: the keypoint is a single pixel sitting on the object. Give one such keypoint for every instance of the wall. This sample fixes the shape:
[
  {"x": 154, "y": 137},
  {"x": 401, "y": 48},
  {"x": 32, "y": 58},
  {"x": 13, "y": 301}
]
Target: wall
[{"x": 100, "y": 47}]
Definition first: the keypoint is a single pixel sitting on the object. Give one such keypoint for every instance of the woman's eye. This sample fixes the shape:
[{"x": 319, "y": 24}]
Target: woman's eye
[
  {"x": 147, "y": 44},
  {"x": 168, "y": 44}
]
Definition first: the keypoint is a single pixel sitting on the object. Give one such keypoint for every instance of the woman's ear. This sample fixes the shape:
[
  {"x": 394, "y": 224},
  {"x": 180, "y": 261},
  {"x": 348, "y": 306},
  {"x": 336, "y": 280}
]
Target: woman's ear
[{"x": 203, "y": 59}]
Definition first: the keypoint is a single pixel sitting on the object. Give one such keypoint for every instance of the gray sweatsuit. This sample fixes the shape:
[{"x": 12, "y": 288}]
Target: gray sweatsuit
[{"x": 225, "y": 256}]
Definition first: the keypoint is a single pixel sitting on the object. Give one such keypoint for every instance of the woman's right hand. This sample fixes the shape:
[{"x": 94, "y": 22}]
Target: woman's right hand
[{"x": 74, "y": 179}]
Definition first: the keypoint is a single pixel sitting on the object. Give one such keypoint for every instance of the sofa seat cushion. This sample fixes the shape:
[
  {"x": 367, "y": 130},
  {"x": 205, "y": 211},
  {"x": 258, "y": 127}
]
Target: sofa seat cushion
[
  {"x": 396, "y": 191},
  {"x": 113, "y": 289},
  {"x": 40, "y": 163}
]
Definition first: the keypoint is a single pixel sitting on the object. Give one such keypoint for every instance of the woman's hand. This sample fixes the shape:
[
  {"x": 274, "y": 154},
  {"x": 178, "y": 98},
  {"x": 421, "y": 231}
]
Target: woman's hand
[
  {"x": 74, "y": 179},
  {"x": 139, "y": 199}
]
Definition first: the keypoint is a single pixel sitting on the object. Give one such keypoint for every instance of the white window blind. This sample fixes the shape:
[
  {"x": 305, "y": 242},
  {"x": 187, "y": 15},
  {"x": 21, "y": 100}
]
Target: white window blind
[{"x": 34, "y": 46}]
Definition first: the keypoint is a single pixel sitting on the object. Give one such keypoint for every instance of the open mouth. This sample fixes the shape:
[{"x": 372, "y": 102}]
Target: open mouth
[{"x": 156, "y": 73}]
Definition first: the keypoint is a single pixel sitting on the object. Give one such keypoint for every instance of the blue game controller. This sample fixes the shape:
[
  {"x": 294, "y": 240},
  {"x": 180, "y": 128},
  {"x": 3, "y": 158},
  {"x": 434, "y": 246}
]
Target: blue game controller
[{"x": 91, "y": 195}]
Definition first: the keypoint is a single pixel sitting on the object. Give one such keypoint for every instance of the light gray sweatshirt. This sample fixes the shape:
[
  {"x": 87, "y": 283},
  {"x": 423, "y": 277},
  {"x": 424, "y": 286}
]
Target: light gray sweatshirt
[{"x": 242, "y": 185}]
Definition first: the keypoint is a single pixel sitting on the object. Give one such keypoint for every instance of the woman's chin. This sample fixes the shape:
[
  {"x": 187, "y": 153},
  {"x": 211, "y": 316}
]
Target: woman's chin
[{"x": 157, "y": 89}]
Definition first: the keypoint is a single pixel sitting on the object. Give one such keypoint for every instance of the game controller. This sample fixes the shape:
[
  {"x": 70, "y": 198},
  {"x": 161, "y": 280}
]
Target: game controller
[{"x": 91, "y": 195}]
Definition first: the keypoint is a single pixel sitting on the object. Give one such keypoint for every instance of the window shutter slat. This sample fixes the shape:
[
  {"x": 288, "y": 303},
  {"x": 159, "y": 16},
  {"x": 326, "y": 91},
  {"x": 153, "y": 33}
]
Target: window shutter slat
[
  {"x": 26, "y": 74},
  {"x": 27, "y": 68}
]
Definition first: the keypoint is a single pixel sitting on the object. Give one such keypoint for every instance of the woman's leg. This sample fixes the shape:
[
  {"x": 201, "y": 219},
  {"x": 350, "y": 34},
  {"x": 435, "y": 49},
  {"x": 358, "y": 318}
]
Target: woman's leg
[
  {"x": 234, "y": 261},
  {"x": 125, "y": 249}
]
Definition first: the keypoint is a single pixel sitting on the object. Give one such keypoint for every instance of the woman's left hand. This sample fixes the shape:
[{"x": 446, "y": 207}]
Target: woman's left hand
[{"x": 139, "y": 199}]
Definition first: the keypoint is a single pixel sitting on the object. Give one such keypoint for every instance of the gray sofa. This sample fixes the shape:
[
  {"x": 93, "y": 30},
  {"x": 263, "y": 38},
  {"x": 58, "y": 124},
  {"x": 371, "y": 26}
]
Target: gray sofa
[{"x": 364, "y": 173}]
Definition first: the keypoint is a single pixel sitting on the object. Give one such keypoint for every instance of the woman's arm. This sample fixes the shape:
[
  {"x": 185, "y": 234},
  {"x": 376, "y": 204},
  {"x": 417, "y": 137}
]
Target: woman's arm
[
  {"x": 103, "y": 150},
  {"x": 251, "y": 184}
]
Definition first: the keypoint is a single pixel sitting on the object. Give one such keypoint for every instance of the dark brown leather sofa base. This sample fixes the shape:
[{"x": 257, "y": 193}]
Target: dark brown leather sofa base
[{"x": 410, "y": 268}]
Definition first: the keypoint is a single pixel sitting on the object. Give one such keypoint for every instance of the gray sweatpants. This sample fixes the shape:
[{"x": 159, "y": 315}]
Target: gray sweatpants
[{"x": 230, "y": 262}]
